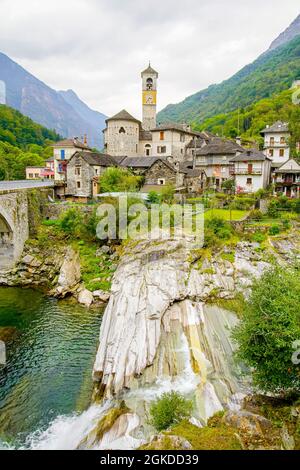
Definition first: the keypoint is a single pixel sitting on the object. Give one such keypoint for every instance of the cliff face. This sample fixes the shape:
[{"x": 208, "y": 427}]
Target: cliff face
[
  {"x": 163, "y": 328},
  {"x": 287, "y": 35}
]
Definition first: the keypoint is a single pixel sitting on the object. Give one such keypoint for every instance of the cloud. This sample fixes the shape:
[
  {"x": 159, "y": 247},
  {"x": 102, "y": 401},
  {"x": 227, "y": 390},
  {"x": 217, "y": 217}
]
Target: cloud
[{"x": 99, "y": 47}]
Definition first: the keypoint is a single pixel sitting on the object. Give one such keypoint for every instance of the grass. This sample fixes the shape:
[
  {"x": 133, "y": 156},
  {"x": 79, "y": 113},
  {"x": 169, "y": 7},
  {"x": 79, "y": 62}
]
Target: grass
[
  {"x": 221, "y": 437},
  {"x": 96, "y": 271},
  {"x": 225, "y": 214},
  {"x": 236, "y": 305}
]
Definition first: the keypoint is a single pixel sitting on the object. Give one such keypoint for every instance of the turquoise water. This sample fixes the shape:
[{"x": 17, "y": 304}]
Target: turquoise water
[{"x": 51, "y": 348}]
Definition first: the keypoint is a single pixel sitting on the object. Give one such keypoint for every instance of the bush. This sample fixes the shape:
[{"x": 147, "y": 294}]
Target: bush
[
  {"x": 256, "y": 214},
  {"x": 258, "y": 237},
  {"x": 274, "y": 230},
  {"x": 242, "y": 203},
  {"x": 171, "y": 408},
  {"x": 273, "y": 209},
  {"x": 71, "y": 222},
  {"x": 219, "y": 227},
  {"x": 268, "y": 329},
  {"x": 167, "y": 194},
  {"x": 119, "y": 179},
  {"x": 153, "y": 197}
]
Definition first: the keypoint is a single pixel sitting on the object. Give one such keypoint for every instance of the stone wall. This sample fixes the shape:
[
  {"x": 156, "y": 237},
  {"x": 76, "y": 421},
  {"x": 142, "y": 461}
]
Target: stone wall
[{"x": 160, "y": 171}]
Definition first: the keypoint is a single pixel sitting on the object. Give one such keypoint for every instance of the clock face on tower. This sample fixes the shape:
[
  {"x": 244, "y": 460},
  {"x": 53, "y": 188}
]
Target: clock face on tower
[{"x": 149, "y": 97}]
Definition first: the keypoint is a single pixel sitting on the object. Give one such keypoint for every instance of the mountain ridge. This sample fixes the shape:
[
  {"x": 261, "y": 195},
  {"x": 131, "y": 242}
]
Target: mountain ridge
[
  {"x": 44, "y": 105},
  {"x": 271, "y": 72}
]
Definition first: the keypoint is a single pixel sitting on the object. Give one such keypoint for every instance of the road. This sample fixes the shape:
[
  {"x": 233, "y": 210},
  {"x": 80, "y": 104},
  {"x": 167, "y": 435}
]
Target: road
[{"x": 25, "y": 184}]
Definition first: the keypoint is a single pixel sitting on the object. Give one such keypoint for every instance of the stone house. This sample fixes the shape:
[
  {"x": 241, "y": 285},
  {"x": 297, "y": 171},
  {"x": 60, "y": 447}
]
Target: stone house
[
  {"x": 287, "y": 179},
  {"x": 160, "y": 173},
  {"x": 215, "y": 159},
  {"x": 83, "y": 172},
  {"x": 276, "y": 143},
  {"x": 252, "y": 171},
  {"x": 62, "y": 153},
  {"x": 171, "y": 140}
]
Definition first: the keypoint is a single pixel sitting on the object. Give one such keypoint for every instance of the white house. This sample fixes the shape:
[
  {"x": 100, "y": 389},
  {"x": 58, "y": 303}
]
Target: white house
[
  {"x": 287, "y": 179},
  {"x": 276, "y": 144},
  {"x": 62, "y": 152},
  {"x": 252, "y": 170}
]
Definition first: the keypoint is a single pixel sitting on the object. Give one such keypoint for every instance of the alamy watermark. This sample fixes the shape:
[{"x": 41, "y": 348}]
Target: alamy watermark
[
  {"x": 140, "y": 221},
  {"x": 2, "y": 353},
  {"x": 296, "y": 96},
  {"x": 296, "y": 354}
]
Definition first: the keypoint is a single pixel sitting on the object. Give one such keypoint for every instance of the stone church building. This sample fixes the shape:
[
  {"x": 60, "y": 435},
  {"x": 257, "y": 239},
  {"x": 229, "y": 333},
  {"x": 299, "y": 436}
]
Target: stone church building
[{"x": 126, "y": 136}]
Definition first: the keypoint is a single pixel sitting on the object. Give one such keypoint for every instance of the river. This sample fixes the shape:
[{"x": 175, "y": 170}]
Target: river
[{"x": 51, "y": 348}]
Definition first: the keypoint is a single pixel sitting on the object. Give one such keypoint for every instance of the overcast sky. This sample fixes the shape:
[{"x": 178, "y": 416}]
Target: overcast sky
[{"x": 99, "y": 47}]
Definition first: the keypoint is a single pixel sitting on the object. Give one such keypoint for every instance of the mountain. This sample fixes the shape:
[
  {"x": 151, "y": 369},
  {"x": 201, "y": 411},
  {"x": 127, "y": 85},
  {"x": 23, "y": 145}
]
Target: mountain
[
  {"x": 272, "y": 72},
  {"x": 33, "y": 98},
  {"x": 292, "y": 31},
  {"x": 96, "y": 119}
]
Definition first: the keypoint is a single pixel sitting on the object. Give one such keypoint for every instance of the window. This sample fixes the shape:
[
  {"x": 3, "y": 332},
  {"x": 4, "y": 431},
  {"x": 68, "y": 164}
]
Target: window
[
  {"x": 147, "y": 150},
  {"x": 77, "y": 171},
  {"x": 282, "y": 140},
  {"x": 281, "y": 152},
  {"x": 271, "y": 153},
  {"x": 161, "y": 181},
  {"x": 36, "y": 175},
  {"x": 96, "y": 171},
  {"x": 182, "y": 137},
  {"x": 249, "y": 181},
  {"x": 121, "y": 130},
  {"x": 149, "y": 83},
  {"x": 250, "y": 168},
  {"x": 161, "y": 135},
  {"x": 62, "y": 154},
  {"x": 272, "y": 141},
  {"x": 78, "y": 184},
  {"x": 30, "y": 175},
  {"x": 161, "y": 149}
]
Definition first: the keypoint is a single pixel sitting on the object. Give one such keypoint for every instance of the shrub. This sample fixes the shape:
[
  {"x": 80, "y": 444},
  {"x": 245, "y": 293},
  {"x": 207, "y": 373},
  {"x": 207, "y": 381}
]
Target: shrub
[
  {"x": 258, "y": 237},
  {"x": 119, "y": 179},
  {"x": 219, "y": 227},
  {"x": 297, "y": 206},
  {"x": 71, "y": 222},
  {"x": 273, "y": 209},
  {"x": 274, "y": 230},
  {"x": 255, "y": 214},
  {"x": 171, "y": 408},
  {"x": 153, "y": 197},
  {"x": 286, "y": 224},
  {"x": 167, "y": 194},
  {"x": 268, "y": 329},
  {"x": 242, "y": 203}
]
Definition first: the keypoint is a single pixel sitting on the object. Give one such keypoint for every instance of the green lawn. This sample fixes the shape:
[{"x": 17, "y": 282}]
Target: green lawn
[{"x": 225, "y": 214}]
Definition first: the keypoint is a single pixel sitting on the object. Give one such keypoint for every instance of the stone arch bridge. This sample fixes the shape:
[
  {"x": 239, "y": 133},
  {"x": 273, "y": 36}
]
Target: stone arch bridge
[{"x": 20, "y": 203}]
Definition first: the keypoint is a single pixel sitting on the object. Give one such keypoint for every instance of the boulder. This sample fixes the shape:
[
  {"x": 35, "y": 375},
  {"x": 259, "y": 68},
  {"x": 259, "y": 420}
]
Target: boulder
[
  {"x": 247, "y": 422},
  {"x": 69, "y": 275},
  {"x": 85, "y": 297},
  {"x": 167, "y": 442},
  {"x": 101, "y": 295}
]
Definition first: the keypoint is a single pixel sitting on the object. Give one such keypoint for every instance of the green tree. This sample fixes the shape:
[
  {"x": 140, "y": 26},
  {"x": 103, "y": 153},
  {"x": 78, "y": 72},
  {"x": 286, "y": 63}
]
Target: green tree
[
  {"x": 169, "y": 409},
  {"x": 269, "y": 328},
  {"x": 119, "y": 179}
]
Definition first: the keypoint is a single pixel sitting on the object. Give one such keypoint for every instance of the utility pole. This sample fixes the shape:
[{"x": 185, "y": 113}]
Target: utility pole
[{"x": 195, "y": 150}]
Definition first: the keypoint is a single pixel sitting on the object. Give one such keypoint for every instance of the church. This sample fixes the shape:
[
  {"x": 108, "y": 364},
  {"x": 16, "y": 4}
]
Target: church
[{"x": 126, "y": 136}]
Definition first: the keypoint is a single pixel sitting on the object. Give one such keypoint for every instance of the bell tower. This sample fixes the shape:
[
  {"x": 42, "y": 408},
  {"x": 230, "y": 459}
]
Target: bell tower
[{"x": 149, "y": 90}]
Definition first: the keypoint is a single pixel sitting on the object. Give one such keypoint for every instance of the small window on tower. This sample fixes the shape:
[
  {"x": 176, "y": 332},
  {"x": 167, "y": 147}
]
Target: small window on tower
[
  {"x": 121, "y": 130},
  {"x": 149, "y": 83}
]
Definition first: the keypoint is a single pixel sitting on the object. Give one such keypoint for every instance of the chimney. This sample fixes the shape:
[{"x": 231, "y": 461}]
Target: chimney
[
  {"x": 85, "y": 139},
  {"x": 238, "y": 140}
]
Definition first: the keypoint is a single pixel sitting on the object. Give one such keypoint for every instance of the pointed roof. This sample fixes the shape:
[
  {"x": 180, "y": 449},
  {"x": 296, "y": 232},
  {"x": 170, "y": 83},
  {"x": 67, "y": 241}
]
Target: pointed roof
[
  {"x": 278, "y": 126},
  {"x": 123, "y": 116},
  {"x": 290, "y": 166},
  {"x": 250, "y": 155},
  {"x": 149, "y": 70}
]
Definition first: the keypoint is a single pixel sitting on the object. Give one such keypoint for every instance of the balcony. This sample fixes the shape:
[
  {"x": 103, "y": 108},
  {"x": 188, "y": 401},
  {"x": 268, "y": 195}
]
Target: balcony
[{"x": 247, "y": 171}]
